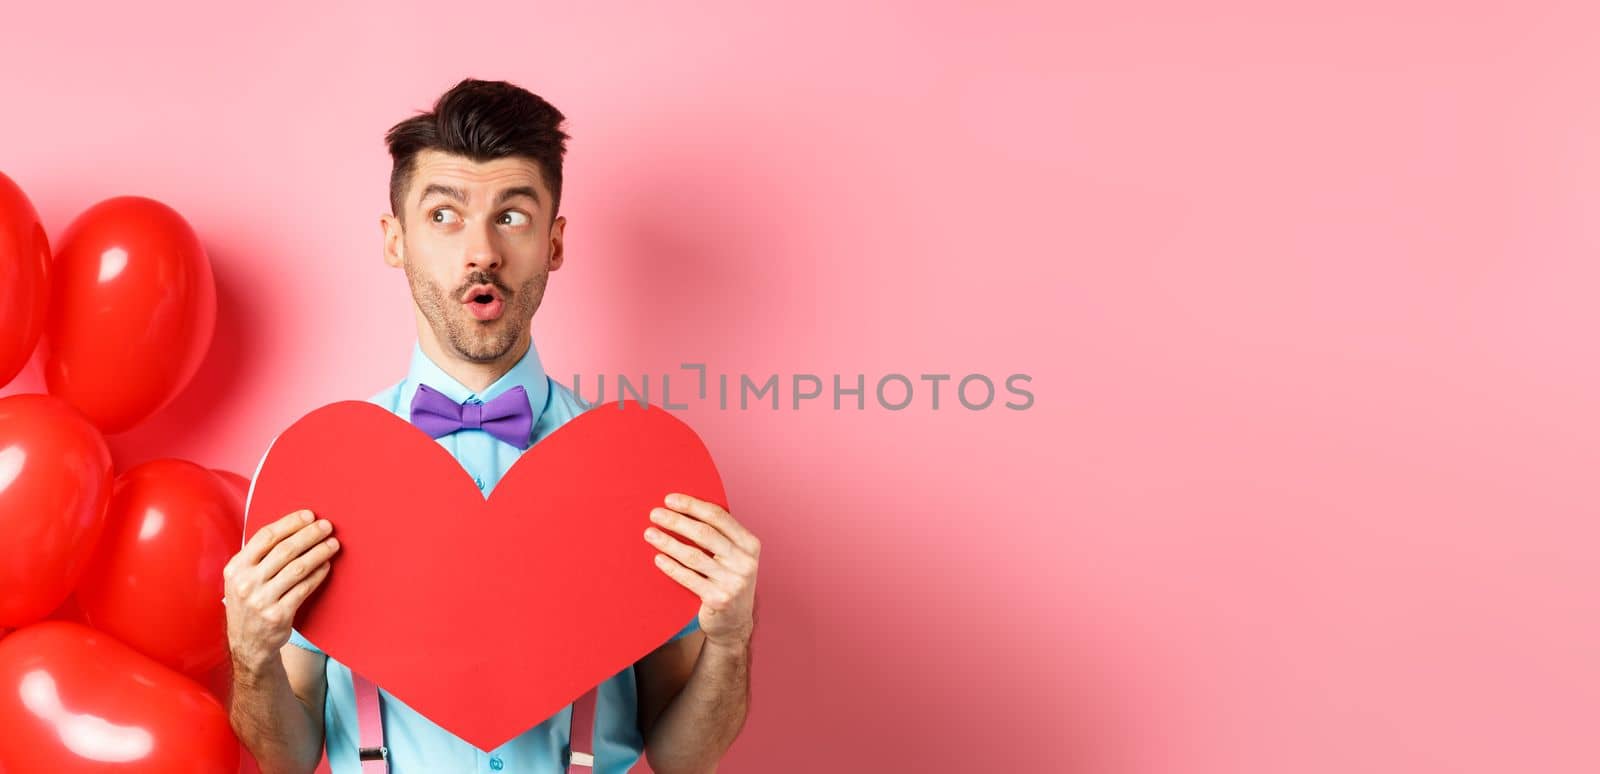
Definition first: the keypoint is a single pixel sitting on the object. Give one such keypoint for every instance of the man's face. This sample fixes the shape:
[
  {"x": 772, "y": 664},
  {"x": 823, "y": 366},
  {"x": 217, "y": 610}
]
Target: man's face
[{"x": 477, "y": 245}]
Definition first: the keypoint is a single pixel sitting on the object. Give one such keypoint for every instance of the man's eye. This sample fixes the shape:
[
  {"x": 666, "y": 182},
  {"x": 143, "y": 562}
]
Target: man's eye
[
  {"x": 514, "y": 218},
  {"x": 444, "y": 215}
]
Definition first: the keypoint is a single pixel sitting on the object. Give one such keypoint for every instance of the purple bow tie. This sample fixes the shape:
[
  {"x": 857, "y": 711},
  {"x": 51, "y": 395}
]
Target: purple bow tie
[{"x": 508, "y": 417}]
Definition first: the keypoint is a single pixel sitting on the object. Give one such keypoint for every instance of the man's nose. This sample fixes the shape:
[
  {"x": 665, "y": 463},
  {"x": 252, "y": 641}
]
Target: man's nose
[{"x": 483, "y": 252}]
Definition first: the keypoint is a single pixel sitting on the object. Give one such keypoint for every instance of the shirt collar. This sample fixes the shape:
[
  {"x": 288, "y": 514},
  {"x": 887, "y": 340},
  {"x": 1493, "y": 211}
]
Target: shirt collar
[{"x": 528, "y": 373}]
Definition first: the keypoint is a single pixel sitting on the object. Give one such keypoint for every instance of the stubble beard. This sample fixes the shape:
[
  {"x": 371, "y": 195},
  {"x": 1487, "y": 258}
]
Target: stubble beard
[{"x": 473, "y": 339}]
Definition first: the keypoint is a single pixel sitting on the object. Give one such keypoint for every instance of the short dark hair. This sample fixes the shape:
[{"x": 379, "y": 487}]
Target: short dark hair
[{"x": 483, "y": 121}]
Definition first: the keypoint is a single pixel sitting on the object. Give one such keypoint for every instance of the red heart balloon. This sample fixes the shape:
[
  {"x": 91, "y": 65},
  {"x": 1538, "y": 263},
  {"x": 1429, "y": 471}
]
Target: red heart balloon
[
  {"x": 132, "y": 308},
  {"x": 24, "y": 281},
  {"x": 55, "y": 481},
  {"x": 488, "y": 615},
  {"x": 73, "y": 699},
  {"x": 155, "y": 581},
  {"x": 69, "y": 611},
  {"x": 238, "y": 482}
]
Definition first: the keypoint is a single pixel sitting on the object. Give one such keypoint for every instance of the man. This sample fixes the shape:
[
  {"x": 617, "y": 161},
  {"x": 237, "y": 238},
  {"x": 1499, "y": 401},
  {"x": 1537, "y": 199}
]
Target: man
[{"x": 474, "y": 193}]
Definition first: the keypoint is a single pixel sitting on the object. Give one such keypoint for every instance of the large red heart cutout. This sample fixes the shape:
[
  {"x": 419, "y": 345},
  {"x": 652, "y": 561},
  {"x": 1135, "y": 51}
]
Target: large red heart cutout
[{"x": 488, "y": 616}]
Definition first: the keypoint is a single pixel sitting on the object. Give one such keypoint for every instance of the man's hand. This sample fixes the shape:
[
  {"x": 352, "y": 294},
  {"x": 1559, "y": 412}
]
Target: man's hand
[
  {"x": 268, "y": 579},
  {"x": 720, "y": 567}
]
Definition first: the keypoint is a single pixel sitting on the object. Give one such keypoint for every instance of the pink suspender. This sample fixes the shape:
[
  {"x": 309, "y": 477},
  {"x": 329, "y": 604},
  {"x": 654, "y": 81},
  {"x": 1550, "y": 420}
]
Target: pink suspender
[
  {"x": 582, "y": 732},
  {"x": 369, "y": 723},
  {"x": 375, "y": 756}
]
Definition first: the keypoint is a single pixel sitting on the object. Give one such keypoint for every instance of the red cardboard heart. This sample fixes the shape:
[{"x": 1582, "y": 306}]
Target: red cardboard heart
[{"x": 488, "y": 616}]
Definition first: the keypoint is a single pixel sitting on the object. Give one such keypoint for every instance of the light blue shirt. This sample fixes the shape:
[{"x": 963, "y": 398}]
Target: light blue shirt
[{"x": 416, "y": 745}]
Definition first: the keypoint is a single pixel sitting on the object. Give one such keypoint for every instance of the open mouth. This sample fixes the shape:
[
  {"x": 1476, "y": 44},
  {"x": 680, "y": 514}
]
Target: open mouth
[{"x": 484, "y": 303}]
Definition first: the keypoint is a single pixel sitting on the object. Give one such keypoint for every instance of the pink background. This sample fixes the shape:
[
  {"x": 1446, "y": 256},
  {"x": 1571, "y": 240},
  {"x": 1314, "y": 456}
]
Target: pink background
[{"x": 1308, "y": 298}]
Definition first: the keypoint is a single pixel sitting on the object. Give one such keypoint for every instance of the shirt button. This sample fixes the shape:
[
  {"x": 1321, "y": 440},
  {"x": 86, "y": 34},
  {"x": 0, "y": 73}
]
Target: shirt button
[
  {"x": 496, "y": 764},
  {"x": 477, "y": 481}
]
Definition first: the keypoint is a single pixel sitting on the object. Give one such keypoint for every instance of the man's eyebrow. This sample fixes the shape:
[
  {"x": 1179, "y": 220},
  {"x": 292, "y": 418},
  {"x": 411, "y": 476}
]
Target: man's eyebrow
[
  {"x": 515, "y": 191},
  {"x": 461, "y": 196},
  {"x": 449, "y": 191}
]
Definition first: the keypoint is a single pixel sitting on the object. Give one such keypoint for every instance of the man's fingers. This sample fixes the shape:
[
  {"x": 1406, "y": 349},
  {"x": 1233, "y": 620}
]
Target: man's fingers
[
  {"x": 718, "y": 517},
  {"x": 688, "y": 578},
  {"x": 294, "y": 545},
  {"x": 299, "y": 569},
  {"x": 298, "y": 592},
  {"x": 690, "y": 556},
  {"x": 703, "y": 534},
  {"x": 268, "y": 536}
]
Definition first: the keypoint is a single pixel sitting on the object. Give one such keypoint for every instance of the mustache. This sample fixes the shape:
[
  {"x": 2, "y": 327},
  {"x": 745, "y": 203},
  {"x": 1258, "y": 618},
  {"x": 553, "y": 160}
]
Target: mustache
[{"x": 483, "y": 279}]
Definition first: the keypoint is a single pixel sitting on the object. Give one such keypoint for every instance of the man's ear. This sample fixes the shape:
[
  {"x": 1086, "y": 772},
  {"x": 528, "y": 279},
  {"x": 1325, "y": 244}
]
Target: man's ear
[
  {"x": 556, "y": 230},
  {"x": 394, "y": 242}
]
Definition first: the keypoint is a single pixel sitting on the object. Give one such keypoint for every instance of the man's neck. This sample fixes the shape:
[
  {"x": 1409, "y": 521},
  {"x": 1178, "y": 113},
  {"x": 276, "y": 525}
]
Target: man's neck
[{"x": 473, "y": 375}]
